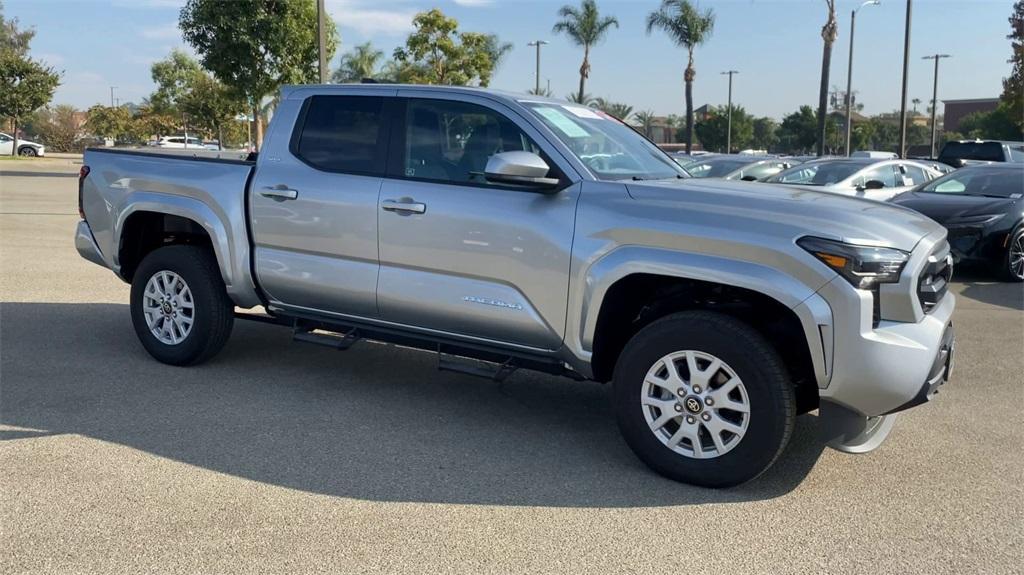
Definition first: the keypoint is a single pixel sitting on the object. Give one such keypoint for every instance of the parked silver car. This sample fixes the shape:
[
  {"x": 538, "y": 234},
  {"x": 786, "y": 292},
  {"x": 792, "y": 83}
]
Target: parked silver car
[
  {"x": 739, "y": 167},
  {"x": 867, "y": 178},
  {"x": 525, "y": 232}
]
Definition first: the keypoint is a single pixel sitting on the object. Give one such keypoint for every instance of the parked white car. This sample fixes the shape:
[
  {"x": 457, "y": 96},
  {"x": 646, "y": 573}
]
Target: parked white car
[
  {"x": 180, "y": 142},
  {"x": 862, "y": 177},
  {"x": 25, "y": 147}
]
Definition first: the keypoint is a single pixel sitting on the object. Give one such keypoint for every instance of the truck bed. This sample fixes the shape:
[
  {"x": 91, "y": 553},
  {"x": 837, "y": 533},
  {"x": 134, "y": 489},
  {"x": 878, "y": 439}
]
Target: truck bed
[{"x": 207, "y": 190}]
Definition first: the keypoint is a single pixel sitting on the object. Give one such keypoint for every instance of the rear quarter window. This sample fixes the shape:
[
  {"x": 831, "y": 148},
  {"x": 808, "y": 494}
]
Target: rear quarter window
[{"x": 342, "y": 134}]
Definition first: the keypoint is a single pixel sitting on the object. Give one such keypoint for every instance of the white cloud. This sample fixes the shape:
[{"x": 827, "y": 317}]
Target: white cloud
[
  {"x": 368, "y": 20},
  {"x": 162, "y": 32}
]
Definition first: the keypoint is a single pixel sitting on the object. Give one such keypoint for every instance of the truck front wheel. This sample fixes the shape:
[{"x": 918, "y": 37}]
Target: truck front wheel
[
  {"x": 180, "y": 309},
  {"x": 702, "y": 398}
]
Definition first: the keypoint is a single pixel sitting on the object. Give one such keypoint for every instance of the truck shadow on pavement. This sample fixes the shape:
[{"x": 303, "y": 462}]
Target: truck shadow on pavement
[
  {"x": 374, "y": 423},
  {"x": 982, "y": 286}
]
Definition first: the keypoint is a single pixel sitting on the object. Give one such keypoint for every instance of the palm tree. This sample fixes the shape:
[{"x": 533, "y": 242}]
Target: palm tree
[
  {"x": 646, "y": 120},
  {"x": 585, "y": 99},
  {"x": 496, "y": 49},
  {"x": 829, "y": 32},
  {"x": 546, "y": 92},
  {"x": 585, "y": 27},
  {"x": 916, "y": 101},
  {"x": 361, "y": 62},
  {"x": 688, "y": 27}
]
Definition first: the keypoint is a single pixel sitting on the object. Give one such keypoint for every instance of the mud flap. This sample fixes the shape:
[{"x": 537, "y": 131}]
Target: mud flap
[{"x": 850, "y": 432}]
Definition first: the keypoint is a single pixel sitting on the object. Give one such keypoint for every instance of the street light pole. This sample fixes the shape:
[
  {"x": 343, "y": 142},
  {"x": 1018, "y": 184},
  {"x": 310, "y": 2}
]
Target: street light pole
[
  {"x": 112, "y": 88},
  {"x": 728, "y": 135},
  {"x": 538, "y": 44},
  {"x": 903, "y": 96},
  {"x": 321, "y": 29},
  {"x": 935, "y": 94},
  {"x": 849, "y": 72}
]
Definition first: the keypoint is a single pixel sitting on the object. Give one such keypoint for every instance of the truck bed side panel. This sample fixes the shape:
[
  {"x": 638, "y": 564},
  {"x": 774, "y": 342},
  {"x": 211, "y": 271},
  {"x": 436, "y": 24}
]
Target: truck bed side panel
[{"x": 210, "y": 192}]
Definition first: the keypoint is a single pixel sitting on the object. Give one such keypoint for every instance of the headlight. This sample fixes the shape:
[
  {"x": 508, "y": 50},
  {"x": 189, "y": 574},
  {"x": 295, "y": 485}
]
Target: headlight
[{"x": 863, "y": 266}]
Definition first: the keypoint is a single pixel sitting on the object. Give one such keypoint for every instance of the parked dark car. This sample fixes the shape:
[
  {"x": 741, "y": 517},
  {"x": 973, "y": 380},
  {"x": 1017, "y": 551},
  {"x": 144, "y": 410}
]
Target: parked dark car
[
  {"x": 966, "y": 152},
  {"x": 736, "y": 167},
  {"x": 983, "y": 209}
]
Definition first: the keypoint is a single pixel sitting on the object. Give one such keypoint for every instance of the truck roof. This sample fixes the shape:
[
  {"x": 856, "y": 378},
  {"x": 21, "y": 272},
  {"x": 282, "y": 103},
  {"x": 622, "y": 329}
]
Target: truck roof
[{"x": 508, "y": 96}]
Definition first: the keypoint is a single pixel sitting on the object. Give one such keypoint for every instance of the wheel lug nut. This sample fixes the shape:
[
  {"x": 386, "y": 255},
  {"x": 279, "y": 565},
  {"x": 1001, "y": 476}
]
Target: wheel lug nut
[
  {"x": 706, "y": 417},
  {"x": 680, "y": 391},
  {"x": 679, "y": 407},
  {"x": 690, "y": 419},
  {"x": 696, "y": 389},
  {"x": 709, "y": 401}
]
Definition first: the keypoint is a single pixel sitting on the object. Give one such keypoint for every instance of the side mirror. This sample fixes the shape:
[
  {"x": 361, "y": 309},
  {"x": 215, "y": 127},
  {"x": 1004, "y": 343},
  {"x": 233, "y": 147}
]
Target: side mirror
[
  {"x": 749, "y": 179},
  {"x": 873, "y": 185},
  {"x": 519, "y": 169}
]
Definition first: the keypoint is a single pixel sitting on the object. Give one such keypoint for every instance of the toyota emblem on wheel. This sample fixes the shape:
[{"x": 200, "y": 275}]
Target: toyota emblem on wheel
[{"x": 693, "y": 405}]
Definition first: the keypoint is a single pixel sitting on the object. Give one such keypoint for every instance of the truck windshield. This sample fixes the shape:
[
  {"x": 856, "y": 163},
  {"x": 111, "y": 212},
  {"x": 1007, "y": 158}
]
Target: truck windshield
[{"x": 612, "y": 150}]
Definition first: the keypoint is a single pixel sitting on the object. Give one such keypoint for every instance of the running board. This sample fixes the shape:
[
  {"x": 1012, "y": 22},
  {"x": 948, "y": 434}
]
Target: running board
[
  {"x": 336, "y": 341},
  {"x": 498, "y": 372}
]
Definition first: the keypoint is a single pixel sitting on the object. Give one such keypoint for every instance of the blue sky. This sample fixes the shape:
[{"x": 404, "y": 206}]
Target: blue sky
[{"x": 775, "y": 44}]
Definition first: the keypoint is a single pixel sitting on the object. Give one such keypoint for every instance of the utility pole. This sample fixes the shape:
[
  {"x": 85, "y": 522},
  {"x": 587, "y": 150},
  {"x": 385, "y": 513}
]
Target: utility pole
[
  {"x": 321, "y": 26},
  {"x": 538, "y": 44},
  {"x": 112, "y": 88},
  {"x": 728, "y": 135},
  {"x": 849, "y": 73},
  {"x": 903, "y": 96},
  {"x": 935, "y": 94}
]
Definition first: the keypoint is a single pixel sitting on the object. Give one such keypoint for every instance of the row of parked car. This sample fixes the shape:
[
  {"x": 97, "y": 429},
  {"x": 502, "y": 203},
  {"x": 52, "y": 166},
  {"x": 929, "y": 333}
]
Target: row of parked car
[{"x": 980, "y": 203}]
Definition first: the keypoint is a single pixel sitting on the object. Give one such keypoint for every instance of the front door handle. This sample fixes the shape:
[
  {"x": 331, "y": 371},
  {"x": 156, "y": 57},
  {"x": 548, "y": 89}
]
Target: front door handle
[
  {"x": 404, "y": 205},
  {"x": 279, "y": 193}
]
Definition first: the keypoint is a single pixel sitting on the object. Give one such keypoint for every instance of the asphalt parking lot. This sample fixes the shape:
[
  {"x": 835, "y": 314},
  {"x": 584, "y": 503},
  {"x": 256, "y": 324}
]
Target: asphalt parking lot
[{"x": 280, "y": 457}]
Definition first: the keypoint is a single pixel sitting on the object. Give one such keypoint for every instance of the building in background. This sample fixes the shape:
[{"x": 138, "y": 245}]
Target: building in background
[{"x": 955, "y": 110}]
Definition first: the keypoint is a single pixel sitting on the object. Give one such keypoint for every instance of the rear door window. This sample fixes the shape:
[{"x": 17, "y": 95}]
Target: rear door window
[
  {"x": 342, "y": 134},
  {"x": 912, "y": 175},
  {"x": 884, "y": 174}
]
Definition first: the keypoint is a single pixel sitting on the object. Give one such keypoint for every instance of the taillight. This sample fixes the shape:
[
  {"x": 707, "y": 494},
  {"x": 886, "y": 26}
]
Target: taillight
[{"x": 82, "y": 173}]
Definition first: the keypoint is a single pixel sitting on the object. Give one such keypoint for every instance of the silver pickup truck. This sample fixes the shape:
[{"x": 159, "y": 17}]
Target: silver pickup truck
[{"x": 504, "y": 231}]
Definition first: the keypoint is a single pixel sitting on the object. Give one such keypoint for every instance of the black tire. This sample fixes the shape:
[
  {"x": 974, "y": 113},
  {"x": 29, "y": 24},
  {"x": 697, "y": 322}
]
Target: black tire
[
  {"x": 768, "y": 386},
  {"x": 213, "y": 315},
  {"x": 1005, "y": 266},
  {"x": 27, "y": 152}
]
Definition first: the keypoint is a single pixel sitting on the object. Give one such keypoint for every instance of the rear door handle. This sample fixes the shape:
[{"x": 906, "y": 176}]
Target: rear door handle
[
  {"x": 279, "y": 193},
  {"x": 403, "y": 205}
]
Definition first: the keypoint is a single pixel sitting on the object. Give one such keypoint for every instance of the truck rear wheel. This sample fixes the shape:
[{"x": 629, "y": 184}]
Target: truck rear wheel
[
  {"x": 702, "y": 398},
  {"x": 180, "y": 309}
]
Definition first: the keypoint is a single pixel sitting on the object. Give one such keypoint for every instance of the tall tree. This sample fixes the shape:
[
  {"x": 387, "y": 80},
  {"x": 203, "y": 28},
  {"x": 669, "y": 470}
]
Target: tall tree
[
  {"x": 25, "y": 86},
  {"x": 13, "y": 38},
  {"x": 829, "y": 33},
  {"x": 110, "y": 122},
  {"x": 764, "y": 134},
  {"x": 497, "y": 49},
  {"x": 688, "y": 27},
  {"x": 358, "y": 63},
  {"x": 797, "y": 132},
  {"x": 585, "y": 27},
  {"x": 174, "y": 77},
  {"x": 437, "y": 53},
  {"x": 210, "y": 106},
  {"x": 1013, "y": 87},
  {"x": 255, "y": 46}
]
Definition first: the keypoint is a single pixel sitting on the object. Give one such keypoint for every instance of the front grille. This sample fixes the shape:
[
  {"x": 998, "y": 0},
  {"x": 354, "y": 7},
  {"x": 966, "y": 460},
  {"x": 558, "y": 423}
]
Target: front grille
[{"x": 933, "y": 282}]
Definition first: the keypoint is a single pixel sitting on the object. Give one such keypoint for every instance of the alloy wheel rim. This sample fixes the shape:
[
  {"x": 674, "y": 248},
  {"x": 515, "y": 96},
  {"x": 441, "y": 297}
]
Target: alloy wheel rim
[
  {"x": 168, "y": 307},
  {"x": 695, "y": 404},
  {"x": 1017, "y": 256}
]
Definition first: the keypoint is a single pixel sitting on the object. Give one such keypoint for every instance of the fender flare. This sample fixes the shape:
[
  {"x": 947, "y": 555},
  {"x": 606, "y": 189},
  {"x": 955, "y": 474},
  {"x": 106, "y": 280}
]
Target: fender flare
[
  {"x": 809, "y": 307},
  {"x": 185, "y": 207}
]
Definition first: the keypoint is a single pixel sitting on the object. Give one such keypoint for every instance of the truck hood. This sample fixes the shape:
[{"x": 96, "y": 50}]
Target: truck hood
[{"x": 797, "y": 212}]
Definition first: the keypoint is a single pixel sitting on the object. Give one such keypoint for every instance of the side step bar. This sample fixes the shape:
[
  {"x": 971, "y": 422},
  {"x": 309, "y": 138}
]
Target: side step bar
[{"x": 490, "y": 362}]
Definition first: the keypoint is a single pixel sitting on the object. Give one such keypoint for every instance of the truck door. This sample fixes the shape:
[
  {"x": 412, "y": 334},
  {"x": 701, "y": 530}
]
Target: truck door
[
  {"x": 313, "y": 203},
  {"x": 463, "y": 256}
]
